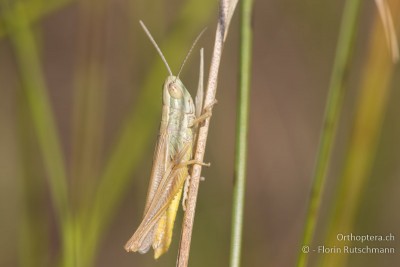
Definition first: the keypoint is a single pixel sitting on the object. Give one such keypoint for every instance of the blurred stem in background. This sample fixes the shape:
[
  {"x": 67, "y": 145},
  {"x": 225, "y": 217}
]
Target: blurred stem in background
[
  {"x": 239, "y": 187},
  {"x": 88, "y": 109},
  {"x": 34, "y": 222},
  {"x": 359, "y": 158},
  {"x": 40, "y": 112},
  {"x": 89, "y": 100},
  {"x": 337, "y": 89}
]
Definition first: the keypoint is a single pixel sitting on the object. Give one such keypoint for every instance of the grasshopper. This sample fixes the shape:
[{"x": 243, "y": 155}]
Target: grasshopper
[{"x": 171, "y": 161}]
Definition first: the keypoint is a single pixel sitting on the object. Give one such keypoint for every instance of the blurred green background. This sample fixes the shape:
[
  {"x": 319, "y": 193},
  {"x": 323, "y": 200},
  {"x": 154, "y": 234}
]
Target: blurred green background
[{"x": 76, "y": 189}]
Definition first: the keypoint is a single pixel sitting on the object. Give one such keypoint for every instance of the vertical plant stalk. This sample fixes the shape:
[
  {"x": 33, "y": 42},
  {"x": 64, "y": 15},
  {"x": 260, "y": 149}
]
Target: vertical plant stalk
[
  {"x": 239, "y": 187},
  {"x": 33, "y": 223},
  {"x": 369, "y": 116},
  {"x": 226, "y": 11},
  {"x": 27, "y": 57},
  {"x": 89, "y": 104},
  {"x": 88, "y": 114},
  {"x": 334, "y": 105}
]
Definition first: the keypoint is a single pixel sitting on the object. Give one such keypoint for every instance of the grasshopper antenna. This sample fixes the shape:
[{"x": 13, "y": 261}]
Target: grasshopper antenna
[
  {"x": 190, "y": 51},
  {"x": 156, "y": 46}
]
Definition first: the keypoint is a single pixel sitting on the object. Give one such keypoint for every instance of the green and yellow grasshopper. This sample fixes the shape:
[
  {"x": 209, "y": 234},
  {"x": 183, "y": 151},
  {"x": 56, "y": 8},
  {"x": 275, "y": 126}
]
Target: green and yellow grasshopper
[{"x": 172, "y": 157}]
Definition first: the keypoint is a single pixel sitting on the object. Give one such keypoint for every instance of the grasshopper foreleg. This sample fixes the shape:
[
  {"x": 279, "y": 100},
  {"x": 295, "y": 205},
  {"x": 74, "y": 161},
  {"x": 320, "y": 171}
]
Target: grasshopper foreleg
[
  {"x": 190, "y": 162},
  {"x": 207, "y": 114}
]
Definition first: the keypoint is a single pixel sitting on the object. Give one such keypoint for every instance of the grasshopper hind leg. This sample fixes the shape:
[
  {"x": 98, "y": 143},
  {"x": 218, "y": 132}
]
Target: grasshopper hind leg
[{"x": 165, "y": 227}]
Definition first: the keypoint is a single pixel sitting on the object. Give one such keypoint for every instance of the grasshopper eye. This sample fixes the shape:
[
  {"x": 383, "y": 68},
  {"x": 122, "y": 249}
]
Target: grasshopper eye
[{"x": 174, "y": 91}]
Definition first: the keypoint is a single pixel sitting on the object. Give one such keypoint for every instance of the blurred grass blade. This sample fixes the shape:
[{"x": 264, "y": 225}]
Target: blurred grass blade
[
  {"x": 41, "y": 112},
  {"x": 89, "y": 101},
  {"x": 337, "y": 89},
  {"x": 359, "y": 160},
  {"x": 33, "y": 224},
  {"x": 140, "y": 125},
  {"x": 239, "y": 187},
  {"x": 37, "y": 11},
  {"x": 16, "y": 20},
  {"x": 88, "y": 110}
]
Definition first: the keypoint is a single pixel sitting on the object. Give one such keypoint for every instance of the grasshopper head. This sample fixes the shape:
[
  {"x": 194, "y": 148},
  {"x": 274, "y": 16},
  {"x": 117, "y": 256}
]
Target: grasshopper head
[
  {"x": 175, "y": 87},
  {"x": 176, "y": 95}
]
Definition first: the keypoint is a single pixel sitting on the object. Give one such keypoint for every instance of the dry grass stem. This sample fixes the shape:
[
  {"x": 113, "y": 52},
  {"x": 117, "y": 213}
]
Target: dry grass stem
[
  {"x": 226, "y": 11},
  {"x": 388, "y": 26}
]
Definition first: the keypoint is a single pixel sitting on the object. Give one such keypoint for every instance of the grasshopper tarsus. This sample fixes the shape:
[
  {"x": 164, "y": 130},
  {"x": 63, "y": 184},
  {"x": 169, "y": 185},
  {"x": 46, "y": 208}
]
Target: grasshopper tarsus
[
  {"x": 191, "y": 162},
  {"x": 214, "y": 102},
  {"x": 206, "y": 114}
]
